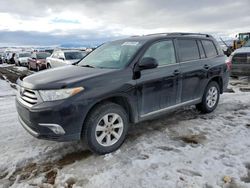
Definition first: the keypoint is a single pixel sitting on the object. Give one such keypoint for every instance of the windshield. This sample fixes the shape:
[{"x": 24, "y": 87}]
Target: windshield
[
  {"x": 247, "y": 44},
  {"x": 42, "y": 55},
  {"x": 114, "y": 55},
  {"x": 25, "y": 55},
  {"x": 74, "y": 55}
]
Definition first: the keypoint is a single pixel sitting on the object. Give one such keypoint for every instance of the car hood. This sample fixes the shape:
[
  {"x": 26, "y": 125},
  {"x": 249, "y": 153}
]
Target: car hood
[
  {"x": 60, "y": 77},
  {"x": 72, "y": 61},
  {"x": 23, "y": 58},
  {"x": 242, "y": 50}
]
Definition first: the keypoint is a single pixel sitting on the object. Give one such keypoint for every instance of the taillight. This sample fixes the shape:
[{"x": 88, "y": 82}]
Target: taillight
[{"x": 229, "y": 63}]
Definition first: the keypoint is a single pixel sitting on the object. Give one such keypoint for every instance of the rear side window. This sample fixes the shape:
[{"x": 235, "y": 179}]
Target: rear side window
[
  {"x": 188, "y": 50},
  {"x": 163, "y": 52},
  {"x": 209, "y": 48}
]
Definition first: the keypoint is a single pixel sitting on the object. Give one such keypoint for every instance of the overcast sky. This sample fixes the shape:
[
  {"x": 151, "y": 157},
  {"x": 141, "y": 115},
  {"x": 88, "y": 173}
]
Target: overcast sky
[{"x": 52, "y": 22}]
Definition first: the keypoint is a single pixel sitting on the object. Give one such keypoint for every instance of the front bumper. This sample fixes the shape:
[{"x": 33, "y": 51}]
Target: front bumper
[{"x": 59, "y": 121}]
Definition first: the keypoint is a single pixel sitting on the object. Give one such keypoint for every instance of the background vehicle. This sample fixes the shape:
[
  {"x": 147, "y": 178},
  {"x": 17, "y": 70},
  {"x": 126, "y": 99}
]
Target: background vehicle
[
  {"x": 121, "y": 83},
  {"x": 37, "y": 60},
  {"x": 21, "y": 58},
  {"x": 240, "y": 59},
  {"x": 64, "y": 57},
  {"x": 242, "y": 39},
  {"x": 1, "y": 58}
]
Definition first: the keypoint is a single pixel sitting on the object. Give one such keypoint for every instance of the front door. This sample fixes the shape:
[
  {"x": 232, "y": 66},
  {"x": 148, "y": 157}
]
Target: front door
[{"x": 158, "y": 88}]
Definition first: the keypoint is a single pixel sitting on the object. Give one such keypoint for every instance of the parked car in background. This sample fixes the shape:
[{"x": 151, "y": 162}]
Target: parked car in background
[
  {"x": 37, "y": 60},
  {"x": 1, "y": 58},
  {"x": 240, "y": 60},
  {"x": 121, "y": 83},
  {"x": 64, "y": 57},
  {"x": 21, "y": 58},
  {"x": 49, "y": 51}
]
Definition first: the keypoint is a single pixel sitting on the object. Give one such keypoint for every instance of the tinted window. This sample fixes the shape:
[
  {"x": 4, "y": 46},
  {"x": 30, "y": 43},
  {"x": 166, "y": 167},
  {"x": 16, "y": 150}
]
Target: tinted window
[
  {"x": 74, "y": 55},
  {"x": 209, "y": 48},
  {"x": 188, "y": 50},
  {"x": 42, "y": 55},
  {"x": 163, "y": 52},
  {"x": 202, "y": 53},
  {"x": 240, "y": 59},
  {"x": 25, "y": 55}
]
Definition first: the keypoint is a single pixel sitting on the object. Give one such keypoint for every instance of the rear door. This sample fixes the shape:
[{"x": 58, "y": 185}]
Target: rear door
[
  {"x": 158, "y": 88},
  {"x": 193, "y": 73},
  {"x": 61, "y": 59},
  {"x": 32, "y": 61},
  {"x": 52, "y": 59}
]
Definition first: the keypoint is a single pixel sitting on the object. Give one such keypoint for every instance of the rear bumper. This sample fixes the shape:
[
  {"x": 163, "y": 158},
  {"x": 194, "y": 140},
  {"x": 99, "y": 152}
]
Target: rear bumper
[{"x": 240, "y": 70}]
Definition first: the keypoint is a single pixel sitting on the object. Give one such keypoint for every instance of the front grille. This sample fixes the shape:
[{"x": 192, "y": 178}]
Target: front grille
[{"x": 28, "y": 96}]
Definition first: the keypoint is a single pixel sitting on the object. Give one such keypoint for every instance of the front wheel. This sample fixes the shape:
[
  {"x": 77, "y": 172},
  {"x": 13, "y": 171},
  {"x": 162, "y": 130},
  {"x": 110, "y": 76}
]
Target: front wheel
[
  {"x": 210, "y": 98},
  {"x": 106, "y": 128}
]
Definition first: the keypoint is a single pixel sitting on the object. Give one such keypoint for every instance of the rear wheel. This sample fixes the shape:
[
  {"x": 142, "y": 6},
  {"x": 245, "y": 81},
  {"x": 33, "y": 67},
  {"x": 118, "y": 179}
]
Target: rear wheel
[
  {"x": 210, "y": 98},
  {"x": 37, "y": 68},
  {"x": 106, "y": 128},
  {"x": 48, "y": 66}
]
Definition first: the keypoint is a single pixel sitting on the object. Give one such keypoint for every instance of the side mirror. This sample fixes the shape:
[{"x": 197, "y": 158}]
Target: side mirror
[{"x": 148, "y": 63}]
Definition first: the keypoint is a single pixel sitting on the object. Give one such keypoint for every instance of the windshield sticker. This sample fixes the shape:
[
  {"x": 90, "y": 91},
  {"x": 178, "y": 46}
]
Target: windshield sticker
[{"x": 130, "y": 43}]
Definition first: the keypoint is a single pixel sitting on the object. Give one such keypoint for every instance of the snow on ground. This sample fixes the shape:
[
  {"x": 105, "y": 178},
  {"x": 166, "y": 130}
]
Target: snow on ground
[{"x": 181, "y": 149}]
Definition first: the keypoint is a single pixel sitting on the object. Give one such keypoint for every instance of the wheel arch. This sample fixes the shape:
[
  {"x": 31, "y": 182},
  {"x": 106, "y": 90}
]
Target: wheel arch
[
  {"x": 219, "y": 81},
  {"x": 121, "y": 100}
]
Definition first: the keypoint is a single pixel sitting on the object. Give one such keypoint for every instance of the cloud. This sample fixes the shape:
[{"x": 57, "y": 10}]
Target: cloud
[
  {"x": 126, "y": 17},
  {"x": 48, "y": 39}
]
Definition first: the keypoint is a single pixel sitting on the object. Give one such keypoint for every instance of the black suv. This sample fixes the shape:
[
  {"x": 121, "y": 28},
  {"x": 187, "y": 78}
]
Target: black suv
[{"x": 120, "y": 83}]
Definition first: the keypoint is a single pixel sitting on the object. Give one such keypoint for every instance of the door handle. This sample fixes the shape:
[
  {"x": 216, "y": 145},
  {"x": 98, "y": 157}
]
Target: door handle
[
  {"x": 176, "y": 72},
  {"x": 206, "y": 66}
]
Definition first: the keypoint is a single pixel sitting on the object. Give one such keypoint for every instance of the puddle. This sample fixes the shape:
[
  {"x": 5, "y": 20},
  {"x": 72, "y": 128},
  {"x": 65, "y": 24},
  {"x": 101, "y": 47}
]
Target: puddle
[
  {"x": 48, "y": 169},
  {"x": 193, "y": 139}
]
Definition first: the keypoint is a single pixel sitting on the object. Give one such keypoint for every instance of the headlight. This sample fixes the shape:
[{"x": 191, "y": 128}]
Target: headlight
[{"x": 53, "y": 95}]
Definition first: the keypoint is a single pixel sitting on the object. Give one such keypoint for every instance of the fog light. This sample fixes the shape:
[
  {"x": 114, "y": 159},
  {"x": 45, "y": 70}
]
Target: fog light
[{"x": 57, "y": 129}]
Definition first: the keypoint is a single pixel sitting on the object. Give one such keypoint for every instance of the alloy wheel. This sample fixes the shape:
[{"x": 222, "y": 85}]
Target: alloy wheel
[{"x": 109, "y": 129}]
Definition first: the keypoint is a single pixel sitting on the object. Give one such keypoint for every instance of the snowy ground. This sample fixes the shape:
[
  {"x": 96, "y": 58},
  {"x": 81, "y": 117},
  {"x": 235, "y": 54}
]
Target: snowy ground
[{"x": 182, "y": 149}]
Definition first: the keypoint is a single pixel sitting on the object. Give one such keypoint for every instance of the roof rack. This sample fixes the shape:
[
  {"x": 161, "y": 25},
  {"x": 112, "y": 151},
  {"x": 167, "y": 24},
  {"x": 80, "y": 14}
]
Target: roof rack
[{"x": 180, "y": 34}]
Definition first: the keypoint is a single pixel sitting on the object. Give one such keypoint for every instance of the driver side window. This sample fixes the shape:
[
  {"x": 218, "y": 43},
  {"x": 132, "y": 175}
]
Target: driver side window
[{"x": 163, "y": 52}]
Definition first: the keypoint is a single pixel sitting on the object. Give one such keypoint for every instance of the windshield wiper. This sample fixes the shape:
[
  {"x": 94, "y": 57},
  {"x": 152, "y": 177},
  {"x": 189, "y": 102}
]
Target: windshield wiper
[{"x": 90, "y": 66}]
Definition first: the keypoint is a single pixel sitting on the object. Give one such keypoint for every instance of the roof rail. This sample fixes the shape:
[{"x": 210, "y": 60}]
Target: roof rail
[{"x": 180, "y": 34}]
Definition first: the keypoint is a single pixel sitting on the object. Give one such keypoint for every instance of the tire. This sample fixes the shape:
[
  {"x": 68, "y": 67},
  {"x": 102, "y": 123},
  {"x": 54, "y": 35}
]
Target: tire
[
  {"x": 106, "y": 139},
  {"x": 48, "y": 66},
  {"x": 29, "y": 67},
  {"x": 210, "y": 98},
  {"x": 37, "y": 68}
]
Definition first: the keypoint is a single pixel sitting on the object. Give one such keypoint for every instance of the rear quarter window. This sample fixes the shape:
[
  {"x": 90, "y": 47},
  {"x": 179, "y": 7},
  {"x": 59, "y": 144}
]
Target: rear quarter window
[
  {"x": 209, "y": 48},
  {"x": 188, "y": 50}
]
